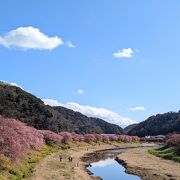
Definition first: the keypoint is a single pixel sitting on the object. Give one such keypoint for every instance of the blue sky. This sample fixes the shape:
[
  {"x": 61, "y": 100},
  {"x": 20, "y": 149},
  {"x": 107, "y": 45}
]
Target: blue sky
[{"x": 136, "y": 85}]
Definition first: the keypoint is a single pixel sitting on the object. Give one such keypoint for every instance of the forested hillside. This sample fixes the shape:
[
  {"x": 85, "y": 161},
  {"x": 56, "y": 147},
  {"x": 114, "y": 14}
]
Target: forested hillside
[
  {"x": 160, "y": 124},
  {"x": 18, "y": 104}
]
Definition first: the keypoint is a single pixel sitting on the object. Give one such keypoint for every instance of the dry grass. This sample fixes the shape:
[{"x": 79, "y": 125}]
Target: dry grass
[
  {"x": 138, "y": 161},
  {"x": 51, "y": 167}
]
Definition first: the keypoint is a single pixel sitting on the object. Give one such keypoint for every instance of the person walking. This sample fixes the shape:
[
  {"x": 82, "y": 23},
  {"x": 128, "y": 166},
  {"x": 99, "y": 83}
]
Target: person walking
[
  {"x": 60, "y": 158},
  {"x": 69, "y": 159}
]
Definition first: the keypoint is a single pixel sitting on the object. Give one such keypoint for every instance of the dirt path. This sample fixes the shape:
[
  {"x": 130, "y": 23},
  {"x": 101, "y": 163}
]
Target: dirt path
[
  {"x": 51, "y": 168},
  {"x": 138, "y": 161}
]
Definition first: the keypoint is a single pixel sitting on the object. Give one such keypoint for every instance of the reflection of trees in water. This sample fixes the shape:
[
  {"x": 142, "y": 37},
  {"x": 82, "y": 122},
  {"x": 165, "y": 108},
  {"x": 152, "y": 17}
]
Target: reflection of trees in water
[{"x": 101, "y": 155}]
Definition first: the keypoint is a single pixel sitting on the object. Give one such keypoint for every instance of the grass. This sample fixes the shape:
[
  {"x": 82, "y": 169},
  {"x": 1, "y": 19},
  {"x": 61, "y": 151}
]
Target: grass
[
  {"x": 166, "y": 152},
  {"x": 25, "y": 166}
]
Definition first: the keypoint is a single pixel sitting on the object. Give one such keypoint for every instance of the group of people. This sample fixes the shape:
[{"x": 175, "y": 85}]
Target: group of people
[{"x": 69, "y": 158}]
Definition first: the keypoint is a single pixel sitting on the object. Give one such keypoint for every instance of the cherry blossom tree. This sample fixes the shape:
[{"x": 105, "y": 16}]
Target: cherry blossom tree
[
  {"x": 16, "y": 138},
  {"x": 173, "y": 140},
  {"x": 50, "y": 136}
]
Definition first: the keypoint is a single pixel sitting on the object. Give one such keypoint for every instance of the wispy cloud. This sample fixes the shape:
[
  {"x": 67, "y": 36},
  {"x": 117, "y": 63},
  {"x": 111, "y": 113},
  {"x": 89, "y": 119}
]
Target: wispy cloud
[
  {"x": 29, "y": 38},
  {"x": 70, "y": 44},
  {"x": 139, "y": 108},
  {"x": 124, "y": 53},
  {"x": 80, "y": 91},
  {"x": 107, "y": 115}
]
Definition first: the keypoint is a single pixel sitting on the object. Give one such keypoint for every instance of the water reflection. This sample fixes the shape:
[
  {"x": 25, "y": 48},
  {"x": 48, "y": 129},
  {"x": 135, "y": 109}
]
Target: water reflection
[
  {"x": 102, "y": 155},
  {"x": 103, "y": 163},
  {"x": 104, "y": 166},
  {"x": 109, "y": 169}
]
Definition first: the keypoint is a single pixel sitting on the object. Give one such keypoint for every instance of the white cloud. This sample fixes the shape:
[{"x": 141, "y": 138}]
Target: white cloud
[
  {"x": 124, "y": 53},
  {"x": 52, "y": 102},
  {"x": 139, "y": 108},
  {"x": 105, "y": 114},
  {"x": 80, "y": 91},
  {"x": 103, "y": 163},
  {"x": 29, "y": 38},
  {"x": 70, "y": 44},
  {"x": 10, "y": 83}
]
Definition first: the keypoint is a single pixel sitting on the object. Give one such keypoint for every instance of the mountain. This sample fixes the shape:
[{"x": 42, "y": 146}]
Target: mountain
[
  {"x": 128, "y": 128},
  {"x": 18, "y": 104},
  {"x": 86, "y": 124},
  {"x": 160, "y": 124}
]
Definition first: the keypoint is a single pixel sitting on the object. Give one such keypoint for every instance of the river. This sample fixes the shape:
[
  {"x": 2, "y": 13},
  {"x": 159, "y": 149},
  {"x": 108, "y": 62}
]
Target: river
[{"x": 103, "y": 164}]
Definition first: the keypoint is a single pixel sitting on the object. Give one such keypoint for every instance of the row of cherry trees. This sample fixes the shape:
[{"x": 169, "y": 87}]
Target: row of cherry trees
[
  {"x": 68, "y": 137},
  {"x": 16, "y": 138},
  {"x": 173, "y": 140}
]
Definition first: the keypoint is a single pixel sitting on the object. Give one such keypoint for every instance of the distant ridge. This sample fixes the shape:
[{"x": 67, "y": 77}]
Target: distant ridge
[
  {"x": 128, "y": 128},
  {"x": 84, "y": 123},
  {"x": 160, "y": 124},
  {"x": 18, "y": 104}
]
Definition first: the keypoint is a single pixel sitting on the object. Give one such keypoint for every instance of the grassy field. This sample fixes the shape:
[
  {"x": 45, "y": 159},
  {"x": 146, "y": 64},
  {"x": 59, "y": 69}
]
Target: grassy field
[
  {"x": 166, "y": 152},
  {"x": 52, "y": 168},
  {"x": 24, "y": 167}
]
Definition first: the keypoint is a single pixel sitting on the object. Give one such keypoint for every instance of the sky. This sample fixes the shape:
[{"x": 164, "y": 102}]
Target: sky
[{"x": 118, "y": 60}]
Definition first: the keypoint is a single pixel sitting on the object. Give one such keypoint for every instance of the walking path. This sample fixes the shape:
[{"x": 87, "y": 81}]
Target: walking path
[
  {"x": 55, "y": 168},
  {"x": 51, "y": 168}
]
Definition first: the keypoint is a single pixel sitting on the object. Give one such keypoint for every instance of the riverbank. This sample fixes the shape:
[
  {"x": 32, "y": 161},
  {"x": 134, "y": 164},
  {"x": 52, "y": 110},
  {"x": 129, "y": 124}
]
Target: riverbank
[
  {"x": 52, "y": 168},
  {"x": 149, "y": 167},
  {"x": 167, "y": 152},
  {"x": 24, "y": 167}
]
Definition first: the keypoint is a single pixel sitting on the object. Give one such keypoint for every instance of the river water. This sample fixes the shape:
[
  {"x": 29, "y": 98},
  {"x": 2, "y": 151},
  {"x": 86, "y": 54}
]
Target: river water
[{"x": 104, "y": 165}]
